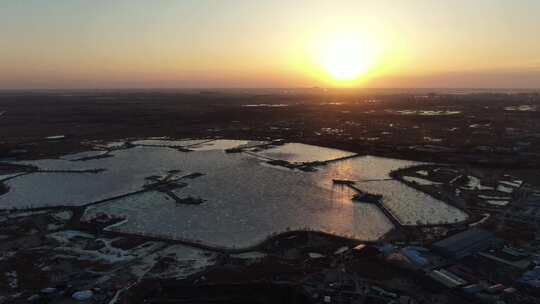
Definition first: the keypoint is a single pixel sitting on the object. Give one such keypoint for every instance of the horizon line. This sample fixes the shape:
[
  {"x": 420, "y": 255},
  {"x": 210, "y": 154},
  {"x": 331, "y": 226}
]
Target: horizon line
[{"x": 263, "y": 88}]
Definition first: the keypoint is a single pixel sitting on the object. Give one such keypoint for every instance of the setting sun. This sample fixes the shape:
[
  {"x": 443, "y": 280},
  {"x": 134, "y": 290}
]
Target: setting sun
[{"x": 346, "y": 57}]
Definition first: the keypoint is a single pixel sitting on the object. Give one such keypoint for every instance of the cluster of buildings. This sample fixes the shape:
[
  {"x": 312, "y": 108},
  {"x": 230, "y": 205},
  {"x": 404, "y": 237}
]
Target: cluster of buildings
[
  {"x": 340, "y": 287},
  {"x": 474, "y": 266},
  {"x": 477, "y": 265}
]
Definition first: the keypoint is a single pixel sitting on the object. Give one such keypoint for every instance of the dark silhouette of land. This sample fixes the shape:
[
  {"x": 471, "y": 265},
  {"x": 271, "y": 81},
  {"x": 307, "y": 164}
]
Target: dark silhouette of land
[{"x": 482, "y": 128}]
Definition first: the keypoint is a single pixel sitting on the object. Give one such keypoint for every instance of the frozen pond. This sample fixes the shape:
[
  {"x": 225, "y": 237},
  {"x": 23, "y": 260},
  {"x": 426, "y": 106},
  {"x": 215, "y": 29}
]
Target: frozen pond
[
  {"x": 363, "y": 168},
  {"x": 248, "y": 214},
  {"x": 301, "y": 153},
  {"x": 420, "y": 181},
  {"x": 84, "y": 155},
  {"x": 245, "y": 199},
  {"x": 413, "y": 207},
  {"x": 371, "y": 173},
  {"x": 169, "y": 143},
  {"x": 224, "y": 144}
]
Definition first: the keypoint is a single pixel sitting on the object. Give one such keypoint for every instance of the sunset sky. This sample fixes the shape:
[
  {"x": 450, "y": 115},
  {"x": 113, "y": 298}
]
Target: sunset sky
[{"x": 186, "y": 44}]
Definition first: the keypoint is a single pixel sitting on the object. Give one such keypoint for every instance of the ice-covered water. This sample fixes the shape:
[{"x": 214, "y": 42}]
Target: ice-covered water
[
  {"x": 169, "y": 143},
  {"x": 7, "y": 176},
  {"x": 372, "y": 174},
  {"x": 224, "y": 144},
  {"x": 84, "y": 155},
  {"x": 302, "y": 153},
  {"x": 413, "y": 207},
  {"x": 245, "y": 200},
  {"x": 420, "y": 181},
  {"x": 247, "y": 216},
  {"x": 364, "y": 168}
]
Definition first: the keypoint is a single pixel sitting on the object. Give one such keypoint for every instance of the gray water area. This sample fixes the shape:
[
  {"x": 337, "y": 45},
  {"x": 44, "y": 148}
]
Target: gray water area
[{"x": 246, "y": 200}]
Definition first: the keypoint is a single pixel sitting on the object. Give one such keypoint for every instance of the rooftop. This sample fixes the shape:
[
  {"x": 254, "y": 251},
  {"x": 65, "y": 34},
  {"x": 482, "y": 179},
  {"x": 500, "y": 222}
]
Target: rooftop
[{"x": 464, "y": 239}]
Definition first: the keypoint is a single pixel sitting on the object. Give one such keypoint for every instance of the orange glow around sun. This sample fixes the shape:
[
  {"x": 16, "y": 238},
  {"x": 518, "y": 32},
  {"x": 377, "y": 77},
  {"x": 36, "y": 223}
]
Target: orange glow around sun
[{"x": 344, "y": 58}]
